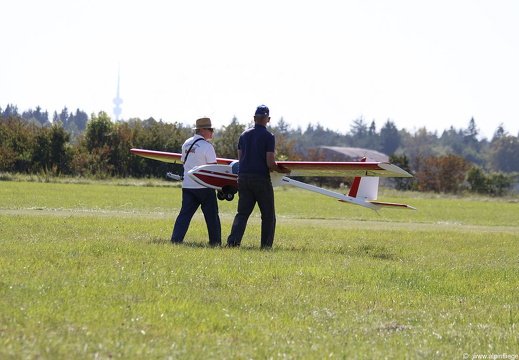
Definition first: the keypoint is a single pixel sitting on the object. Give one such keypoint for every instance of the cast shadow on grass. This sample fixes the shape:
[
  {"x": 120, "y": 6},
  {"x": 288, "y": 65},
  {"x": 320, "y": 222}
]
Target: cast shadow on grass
[
  {"x": 365, "y": 250},
  {"x": 158, "y": 241},
  {"x": 161, "y": 241}
]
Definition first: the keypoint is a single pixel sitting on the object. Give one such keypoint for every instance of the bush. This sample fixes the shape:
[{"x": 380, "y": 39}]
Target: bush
[{"x": 494, "y": 183}]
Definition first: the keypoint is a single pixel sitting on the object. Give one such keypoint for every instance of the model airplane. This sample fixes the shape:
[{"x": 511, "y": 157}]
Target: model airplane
[{"x": 223, "y": 177}]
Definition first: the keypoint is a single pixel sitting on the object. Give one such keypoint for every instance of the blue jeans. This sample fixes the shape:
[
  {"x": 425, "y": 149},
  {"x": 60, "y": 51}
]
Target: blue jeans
[
  {"x": 254, "y": 189},
  {"x": 191, "y": 200}
]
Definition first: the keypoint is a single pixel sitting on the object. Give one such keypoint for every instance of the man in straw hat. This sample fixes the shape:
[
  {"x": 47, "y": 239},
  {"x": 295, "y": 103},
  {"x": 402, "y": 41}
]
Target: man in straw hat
[
  {"x": 256, "y": 148},
  {"x": 198, "y": 151}
]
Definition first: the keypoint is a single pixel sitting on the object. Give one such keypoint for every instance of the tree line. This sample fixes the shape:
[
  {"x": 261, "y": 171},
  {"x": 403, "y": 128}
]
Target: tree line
[{"x": 78, "y": 145}]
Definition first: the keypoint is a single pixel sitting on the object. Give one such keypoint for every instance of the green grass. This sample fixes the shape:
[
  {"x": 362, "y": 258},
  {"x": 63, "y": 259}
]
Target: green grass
[{"x": 86, "y": 272}]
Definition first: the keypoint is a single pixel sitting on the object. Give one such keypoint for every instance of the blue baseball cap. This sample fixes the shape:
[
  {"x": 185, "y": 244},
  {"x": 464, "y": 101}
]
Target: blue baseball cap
[{"x": 262, "y": 110}]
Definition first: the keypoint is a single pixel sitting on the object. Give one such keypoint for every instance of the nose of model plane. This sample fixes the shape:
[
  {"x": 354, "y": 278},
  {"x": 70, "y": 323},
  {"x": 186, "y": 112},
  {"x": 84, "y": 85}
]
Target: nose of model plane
[{"x": 235, "y": 165}]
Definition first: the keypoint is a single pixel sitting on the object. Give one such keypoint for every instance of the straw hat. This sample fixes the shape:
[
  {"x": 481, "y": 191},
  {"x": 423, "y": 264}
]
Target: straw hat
[{"x": 203, "y": 123}]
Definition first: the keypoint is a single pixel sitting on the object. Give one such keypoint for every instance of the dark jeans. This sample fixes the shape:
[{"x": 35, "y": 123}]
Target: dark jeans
[
  {"x": 191, "y": 200},
  {"x": 254, "y": 189}
]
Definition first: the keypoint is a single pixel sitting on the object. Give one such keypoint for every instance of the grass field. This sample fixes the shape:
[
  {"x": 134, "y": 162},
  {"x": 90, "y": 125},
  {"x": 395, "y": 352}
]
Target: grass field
[{"x": 87, "y": 272}]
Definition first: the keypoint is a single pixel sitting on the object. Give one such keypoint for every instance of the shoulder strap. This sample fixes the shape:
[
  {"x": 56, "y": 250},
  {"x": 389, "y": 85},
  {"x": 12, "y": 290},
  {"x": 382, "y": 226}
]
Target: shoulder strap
[{"x": 188, "y": 151}]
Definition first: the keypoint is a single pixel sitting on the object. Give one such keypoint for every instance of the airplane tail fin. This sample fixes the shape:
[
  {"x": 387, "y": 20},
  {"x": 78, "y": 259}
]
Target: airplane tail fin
[{"x": 366, "y": 188}]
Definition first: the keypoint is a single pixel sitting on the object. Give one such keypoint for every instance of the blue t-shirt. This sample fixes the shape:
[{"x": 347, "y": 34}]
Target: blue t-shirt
[{"x": 254, "y": 145}]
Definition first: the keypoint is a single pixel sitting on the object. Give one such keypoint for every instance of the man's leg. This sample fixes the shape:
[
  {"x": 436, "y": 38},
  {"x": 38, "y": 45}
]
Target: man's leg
[
  {"x": 265, "y": 196},
  {"x": 189, "y": 206},
  {"x": 246, "y": 202},
  {"x": 212, "y": 219}
]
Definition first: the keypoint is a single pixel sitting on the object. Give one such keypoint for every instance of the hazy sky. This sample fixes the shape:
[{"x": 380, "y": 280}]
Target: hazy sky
[{"x": 419, "y": 63}]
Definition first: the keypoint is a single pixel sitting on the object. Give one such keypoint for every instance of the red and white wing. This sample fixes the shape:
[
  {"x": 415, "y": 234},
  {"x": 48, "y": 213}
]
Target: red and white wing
[
  {"x": 170, "y": 157},
  {"x": 302, "y": 168},
  {"x": 343, "y": 169}
]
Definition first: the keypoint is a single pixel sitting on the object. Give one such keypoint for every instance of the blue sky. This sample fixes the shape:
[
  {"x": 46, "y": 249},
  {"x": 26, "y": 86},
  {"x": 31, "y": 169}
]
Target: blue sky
[{"x": 418, "y": 63}]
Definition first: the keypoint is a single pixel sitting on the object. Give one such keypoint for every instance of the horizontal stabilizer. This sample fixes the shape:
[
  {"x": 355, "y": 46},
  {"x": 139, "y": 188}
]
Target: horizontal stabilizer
[{"x": 392, "y": 205}]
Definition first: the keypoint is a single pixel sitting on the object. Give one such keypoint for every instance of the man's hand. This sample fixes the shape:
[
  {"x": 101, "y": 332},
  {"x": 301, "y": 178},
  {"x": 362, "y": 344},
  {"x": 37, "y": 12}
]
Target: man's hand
[
  {"x": 273, "y": 166},
  {"x": 283, "y": 170}
]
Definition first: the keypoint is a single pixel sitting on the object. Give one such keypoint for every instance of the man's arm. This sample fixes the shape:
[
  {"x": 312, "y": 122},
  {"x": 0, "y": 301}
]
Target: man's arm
[
  {"x": 273, "y": 166},
  {"x": 210, "y": 156}
]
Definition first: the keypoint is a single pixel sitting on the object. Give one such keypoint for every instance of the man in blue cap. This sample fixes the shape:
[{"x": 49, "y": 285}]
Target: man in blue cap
[{"x": 256, "y": 153}]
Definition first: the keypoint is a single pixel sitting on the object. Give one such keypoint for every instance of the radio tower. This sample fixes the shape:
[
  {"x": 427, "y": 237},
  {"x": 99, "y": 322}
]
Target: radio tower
[{"x": 117, "y": 100}]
